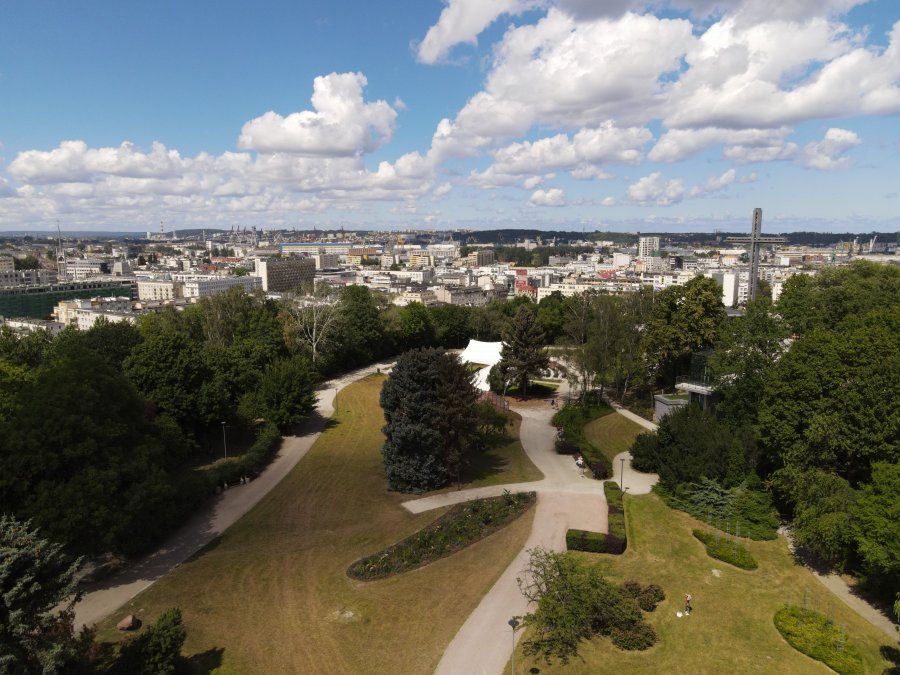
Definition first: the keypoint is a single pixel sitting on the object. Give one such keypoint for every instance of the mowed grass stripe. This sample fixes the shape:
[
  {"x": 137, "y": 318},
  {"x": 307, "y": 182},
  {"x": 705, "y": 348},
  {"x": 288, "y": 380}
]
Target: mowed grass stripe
[{"x": 271, "y": 595}]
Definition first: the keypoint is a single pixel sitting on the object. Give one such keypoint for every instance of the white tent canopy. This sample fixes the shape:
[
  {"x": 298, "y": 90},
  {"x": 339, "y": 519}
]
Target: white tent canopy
[
  {"x": 487, "y": 354},
  {"x": 483, "y": 353}
]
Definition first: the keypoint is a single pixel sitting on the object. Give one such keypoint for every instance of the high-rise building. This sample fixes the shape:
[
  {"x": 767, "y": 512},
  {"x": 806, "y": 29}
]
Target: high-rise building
[
  {"x": 648, "y": 247},
  {"x": 285, "y": 274}
]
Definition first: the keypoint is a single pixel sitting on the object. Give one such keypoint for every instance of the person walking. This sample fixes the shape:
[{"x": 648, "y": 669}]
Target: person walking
[{"x": 688, "y": 599}]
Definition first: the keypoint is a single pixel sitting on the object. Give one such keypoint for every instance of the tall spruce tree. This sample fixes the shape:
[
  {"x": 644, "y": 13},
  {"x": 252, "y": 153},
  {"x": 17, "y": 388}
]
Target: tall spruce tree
[
  {"x": 524, "y": 354},
  {"x": 35, "y": 579},
  {"x": 429, "y": 405}
]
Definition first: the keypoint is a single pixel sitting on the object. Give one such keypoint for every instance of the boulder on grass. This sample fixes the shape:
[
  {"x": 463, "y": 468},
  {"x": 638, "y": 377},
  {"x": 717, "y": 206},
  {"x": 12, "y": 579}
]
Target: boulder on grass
[{"x": 130, "y": 622}]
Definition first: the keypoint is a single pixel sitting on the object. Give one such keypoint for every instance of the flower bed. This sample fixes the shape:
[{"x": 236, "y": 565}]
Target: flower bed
[
  {"x": 461, "y": 526},
  {"x": 816, "y": 636},
  {"x": 727, "y": 551}
]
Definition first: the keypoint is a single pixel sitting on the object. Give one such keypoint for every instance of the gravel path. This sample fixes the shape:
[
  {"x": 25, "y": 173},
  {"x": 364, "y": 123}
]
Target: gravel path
[{"x": 105, "y": 597}]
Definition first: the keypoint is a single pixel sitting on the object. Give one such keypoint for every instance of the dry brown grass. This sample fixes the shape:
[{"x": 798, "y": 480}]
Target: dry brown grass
[{"x": 271, "y": 595}]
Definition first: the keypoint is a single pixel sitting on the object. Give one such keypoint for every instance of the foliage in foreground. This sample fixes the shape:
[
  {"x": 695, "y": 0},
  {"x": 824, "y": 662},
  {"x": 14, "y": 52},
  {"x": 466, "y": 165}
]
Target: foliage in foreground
[
  {"x": 461, "y": 526},
  {"x": 817, "y": 637},
  {"x": 574, "y": 602},
  {"x": 572, "y": 419},
  {"x": 156, "y": 651},
  {"x": 36, "y": 578},
  {"x": 727, "y": 550}
]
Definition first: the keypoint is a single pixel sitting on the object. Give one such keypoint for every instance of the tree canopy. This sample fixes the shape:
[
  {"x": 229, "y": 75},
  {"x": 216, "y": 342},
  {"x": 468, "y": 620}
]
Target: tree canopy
[{"x": 431, "y": 428}]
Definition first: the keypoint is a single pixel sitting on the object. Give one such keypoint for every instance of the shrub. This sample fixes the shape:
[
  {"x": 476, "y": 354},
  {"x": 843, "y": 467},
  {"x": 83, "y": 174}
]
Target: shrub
[
  {"x": 637, "y": 637},
  {"x": 727, "y": 551},
  {"x": 564, "y": 447},
  {"x": 267, "y": 441},
  {"x": 650, "y": 597},
  {"x": 816, "y": 636},
  {"x": 461, "y": 526},
  {"x": 155, "y": 652},
  {"x": 632, "y": 588}
]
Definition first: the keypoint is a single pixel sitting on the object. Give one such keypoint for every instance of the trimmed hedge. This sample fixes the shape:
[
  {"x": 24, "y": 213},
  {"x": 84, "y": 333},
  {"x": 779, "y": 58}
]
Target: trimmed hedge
[
  {"x": 816, "y": 636},
  {"x": 616, "y": 539},
  {"x": 267, "y": 441},
  {"x": 726, "y": 550},
  {"x": 572, "y": 419},
  {"x": 461, "y": 526},
  {"x": 593, "y": 542}
]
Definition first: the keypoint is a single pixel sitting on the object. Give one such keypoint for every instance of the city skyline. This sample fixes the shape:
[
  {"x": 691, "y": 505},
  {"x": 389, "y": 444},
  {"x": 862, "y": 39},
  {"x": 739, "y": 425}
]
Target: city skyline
[{"x": 681, "y": 115}]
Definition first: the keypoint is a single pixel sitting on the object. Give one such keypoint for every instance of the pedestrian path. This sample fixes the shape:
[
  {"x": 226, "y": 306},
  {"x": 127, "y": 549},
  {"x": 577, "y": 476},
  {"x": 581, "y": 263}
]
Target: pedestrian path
[
  {"x": 105, "y": 597},
  {"x": 566, "y": 500}
]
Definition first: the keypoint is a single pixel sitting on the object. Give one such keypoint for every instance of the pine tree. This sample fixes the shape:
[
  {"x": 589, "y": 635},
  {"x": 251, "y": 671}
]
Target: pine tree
[
  {"x": 523, "y": 347},
  {"x": 429, "y": 405},
  {"x": 35, "y": 578}
]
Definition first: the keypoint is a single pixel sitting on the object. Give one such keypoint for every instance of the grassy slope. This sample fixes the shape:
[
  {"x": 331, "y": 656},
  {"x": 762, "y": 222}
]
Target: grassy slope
[
  {"x": 612, "y": 434},
  {"x": 731, "y": 629},
  {"x": 268, "y": 596}
]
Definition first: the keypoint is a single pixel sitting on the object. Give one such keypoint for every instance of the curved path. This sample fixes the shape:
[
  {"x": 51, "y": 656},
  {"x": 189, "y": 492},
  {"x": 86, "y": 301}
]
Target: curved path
[
  {"x": 565, "y": 500},
  {"x": 105, "y": 597}
]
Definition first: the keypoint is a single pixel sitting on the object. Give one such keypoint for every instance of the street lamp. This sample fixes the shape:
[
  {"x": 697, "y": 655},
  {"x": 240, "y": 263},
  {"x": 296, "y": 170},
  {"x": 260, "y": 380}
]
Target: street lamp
[
  {"x": 622, "y": 475},
  {"x": 224, "y": 444},
  {"x": 514, "y": 623}
]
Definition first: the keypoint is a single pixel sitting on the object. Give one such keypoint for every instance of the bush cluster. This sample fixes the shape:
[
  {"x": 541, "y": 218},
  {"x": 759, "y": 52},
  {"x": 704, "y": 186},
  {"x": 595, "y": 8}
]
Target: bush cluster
[
  {"x": 648, "y": 597},
  {"x": 461, "y": 526},
  {"x": 637, "y": 637},
  {"x": 616, "y": 538},
  {"x": 572, "y": 419},
  {"x": 816, "y": 636},
  {"x": 726, "y": 550},
  {"x": 708, "y": 501}
]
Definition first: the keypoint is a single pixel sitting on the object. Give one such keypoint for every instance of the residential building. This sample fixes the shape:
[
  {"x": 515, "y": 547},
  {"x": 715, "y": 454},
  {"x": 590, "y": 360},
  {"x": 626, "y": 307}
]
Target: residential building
[
  {"x": 160, "y": 289},
  {"x": 648, "y": 247},
  {"x": 202, "y": 286}
]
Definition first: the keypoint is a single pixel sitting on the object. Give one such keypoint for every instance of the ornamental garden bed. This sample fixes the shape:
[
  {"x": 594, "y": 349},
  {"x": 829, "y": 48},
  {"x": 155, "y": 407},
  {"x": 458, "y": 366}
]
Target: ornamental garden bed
[
  {"x": 816, "y": 636},
  {"x": 726, "y": 549},
  {"x": 463, "y": 525}
]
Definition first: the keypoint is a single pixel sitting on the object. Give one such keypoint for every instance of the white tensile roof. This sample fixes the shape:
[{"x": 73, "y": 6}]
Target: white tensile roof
[{"x": 485, "y": 353}]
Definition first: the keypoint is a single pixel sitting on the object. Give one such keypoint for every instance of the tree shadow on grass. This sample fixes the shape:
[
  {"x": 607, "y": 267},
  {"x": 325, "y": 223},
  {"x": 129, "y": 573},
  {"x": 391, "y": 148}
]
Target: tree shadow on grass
[
  {"x": 891, "y": 654},
  {"x": 204, "y": 662},
  {"x": 486, "y": 464}
]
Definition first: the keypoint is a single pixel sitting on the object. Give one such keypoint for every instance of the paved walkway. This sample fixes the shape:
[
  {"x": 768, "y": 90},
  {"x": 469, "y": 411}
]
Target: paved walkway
[
  {"x": 565, "y": 500},
  {"x": 105, "y": 597}
]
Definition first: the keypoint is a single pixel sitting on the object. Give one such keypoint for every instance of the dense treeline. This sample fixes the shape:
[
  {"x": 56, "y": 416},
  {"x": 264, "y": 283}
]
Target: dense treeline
[{"x": 808, "y": 409}]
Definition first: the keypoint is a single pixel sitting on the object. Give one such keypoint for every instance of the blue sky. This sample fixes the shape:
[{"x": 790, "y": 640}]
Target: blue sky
[{"x": 617, "y": 114}]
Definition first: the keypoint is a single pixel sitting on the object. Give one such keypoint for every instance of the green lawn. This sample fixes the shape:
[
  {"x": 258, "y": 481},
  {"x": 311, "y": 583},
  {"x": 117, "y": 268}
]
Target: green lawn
[
  {"x": 731, "y": 629},
  {"x": 271, "y": 595},
  {"x": 612, "y": 434}
]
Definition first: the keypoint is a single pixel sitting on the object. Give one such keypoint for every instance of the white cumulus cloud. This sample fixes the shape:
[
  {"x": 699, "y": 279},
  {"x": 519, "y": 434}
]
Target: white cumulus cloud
[
  {"x": 461, "y": 21},
  {"x": 551, "y": 197},
  {"x": 654, "y": 190},
  {"x": 829, "y": 153},
  {"x": 341, "y": 124}
]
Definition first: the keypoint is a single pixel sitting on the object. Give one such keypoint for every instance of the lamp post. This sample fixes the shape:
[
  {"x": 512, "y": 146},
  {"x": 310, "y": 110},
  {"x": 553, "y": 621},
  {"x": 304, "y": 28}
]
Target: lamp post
[
  {"x": 514, "y": 623},
  {"x": 622, "y": 475},
  {"x": 224, "y": 444}
]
